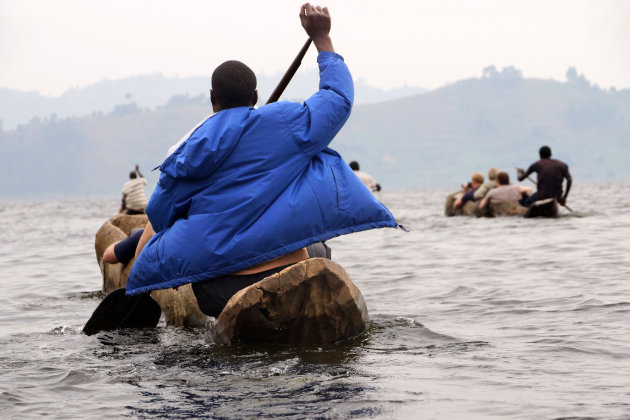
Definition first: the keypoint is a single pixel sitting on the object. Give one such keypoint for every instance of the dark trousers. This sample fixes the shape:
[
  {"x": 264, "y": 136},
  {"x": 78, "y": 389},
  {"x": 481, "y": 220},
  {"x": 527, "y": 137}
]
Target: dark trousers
[
  {"x": 132, "y": 212},
  {"x": 213, "y": 294},
  {"x": 469, "y": 196},
  {"x": 528, "y": 201}
]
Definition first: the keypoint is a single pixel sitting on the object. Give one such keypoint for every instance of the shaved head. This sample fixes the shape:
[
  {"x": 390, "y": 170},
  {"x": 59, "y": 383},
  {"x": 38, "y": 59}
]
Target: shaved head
[{"x": 233, "y": 85}]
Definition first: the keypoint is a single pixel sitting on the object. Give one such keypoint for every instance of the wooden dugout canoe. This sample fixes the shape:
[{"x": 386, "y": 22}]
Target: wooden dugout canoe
[
  {"x": 541, "y": 208},
  {"x": 313, "y": 302}
]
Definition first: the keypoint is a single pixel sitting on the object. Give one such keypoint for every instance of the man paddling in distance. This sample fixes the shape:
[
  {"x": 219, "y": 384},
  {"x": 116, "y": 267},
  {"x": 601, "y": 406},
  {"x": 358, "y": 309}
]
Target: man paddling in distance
[
  {"x": 550, "y": 173},
  {"x": 249, "y": 189}
]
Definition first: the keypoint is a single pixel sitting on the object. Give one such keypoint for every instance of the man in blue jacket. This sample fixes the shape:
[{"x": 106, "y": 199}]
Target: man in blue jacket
[{"x": 249, "y": 189}]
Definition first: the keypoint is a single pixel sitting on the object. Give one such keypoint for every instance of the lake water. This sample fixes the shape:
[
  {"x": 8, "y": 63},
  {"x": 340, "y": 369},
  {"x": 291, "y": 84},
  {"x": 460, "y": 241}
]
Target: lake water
[{"x": 470, "y": 318}]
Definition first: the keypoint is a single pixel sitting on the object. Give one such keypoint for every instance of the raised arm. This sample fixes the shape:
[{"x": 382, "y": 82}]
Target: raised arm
[
  {"x": 316, "y": 122},
  {"x": 316, "y": 22}
]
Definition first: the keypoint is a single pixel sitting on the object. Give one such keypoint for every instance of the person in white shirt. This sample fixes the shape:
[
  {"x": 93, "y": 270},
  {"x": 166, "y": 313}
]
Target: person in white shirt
[
  {"x": 134, "y": 200},
  {"x": 367, "y": 179}
]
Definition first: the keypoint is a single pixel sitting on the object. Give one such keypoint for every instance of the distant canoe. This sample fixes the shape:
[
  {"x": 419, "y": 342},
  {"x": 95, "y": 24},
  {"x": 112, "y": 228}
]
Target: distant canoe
[{"x": 542, "y": 208}]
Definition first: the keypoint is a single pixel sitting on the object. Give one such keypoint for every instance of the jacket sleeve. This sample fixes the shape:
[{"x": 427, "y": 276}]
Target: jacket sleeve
[
  {"x": 316, "y": 122},
  {"x": 170, "y": 201}
]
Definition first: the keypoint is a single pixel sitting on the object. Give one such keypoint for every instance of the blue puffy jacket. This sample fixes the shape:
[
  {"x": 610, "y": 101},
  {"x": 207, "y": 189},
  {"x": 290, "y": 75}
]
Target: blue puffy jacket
[{"x": 250, "y": 185}]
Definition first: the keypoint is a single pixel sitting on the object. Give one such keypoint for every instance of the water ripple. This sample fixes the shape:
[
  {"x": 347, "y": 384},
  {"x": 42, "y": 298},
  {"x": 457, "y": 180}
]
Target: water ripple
[{"x": 470, "y": 318}]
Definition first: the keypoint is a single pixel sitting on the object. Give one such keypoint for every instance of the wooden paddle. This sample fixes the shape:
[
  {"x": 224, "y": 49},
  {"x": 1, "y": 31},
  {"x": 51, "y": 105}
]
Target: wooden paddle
[
  {"x": 284, "y": 82},
  {"x": 120, "y": 311},
  {"x": 535, "y": 183}
]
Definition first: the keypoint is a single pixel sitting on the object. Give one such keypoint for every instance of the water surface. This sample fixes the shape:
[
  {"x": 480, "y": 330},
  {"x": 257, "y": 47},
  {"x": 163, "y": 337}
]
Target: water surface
[{"x": 475, "y": 318}]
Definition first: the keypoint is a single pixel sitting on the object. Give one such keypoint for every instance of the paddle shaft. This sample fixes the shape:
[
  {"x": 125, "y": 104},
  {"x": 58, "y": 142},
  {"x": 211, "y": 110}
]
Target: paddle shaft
[
  {"x": 284, "y": 82},
  {"x": 564, "y": 205},
  {"x": 567, "y": 207}
]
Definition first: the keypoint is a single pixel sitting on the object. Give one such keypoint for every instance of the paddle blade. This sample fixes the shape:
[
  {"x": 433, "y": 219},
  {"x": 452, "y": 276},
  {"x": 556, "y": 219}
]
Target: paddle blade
[{"x": 118, "y": 311}]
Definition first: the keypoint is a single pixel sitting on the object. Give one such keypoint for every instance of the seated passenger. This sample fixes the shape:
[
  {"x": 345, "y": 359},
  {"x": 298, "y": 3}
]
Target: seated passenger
[
  {"x": 506, "y": 192},
  {"x": 469, "y": 190},
  {"x": 487, "y": 186},
  {"x": 367, "y": 179},
  {"x": 213, "y": 296},
  {"x": 134, "y": 200},
  {"x": 125, "y": 250}
]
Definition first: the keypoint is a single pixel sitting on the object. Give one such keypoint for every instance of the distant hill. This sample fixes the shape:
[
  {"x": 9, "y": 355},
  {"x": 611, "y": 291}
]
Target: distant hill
[
  {"x": 153, "y": 90},
  {"x": 433, "y": 139},
  {"x": 441, "y": 137}
]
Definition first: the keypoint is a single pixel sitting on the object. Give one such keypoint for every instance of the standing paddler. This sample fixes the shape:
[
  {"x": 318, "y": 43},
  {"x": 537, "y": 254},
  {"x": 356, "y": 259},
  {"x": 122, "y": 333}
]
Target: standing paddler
[
  {"x": 250, "y": 188},
  {"x": 551, "y": 173}
]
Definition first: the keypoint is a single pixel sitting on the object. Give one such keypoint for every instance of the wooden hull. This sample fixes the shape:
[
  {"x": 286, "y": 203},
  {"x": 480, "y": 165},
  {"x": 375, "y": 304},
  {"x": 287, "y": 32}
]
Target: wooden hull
[
  {"x": 472, "y": 208},
  {"x": 312, "y": 302},
  {"x": 542, "y": 208},
  {"x": 178, "y": 305}
]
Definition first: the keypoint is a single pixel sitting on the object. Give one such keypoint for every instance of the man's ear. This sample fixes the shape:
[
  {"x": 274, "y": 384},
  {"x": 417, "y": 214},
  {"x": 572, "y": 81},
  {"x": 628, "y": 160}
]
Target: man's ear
[
  {"x": 216, "y": 107},
  {"x": 255, "y": 98}
]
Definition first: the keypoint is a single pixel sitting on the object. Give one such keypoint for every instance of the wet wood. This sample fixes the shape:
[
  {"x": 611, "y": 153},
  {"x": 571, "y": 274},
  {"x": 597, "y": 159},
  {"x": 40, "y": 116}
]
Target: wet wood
[
  {"x": 541, "y": 208},
  {"x": 178, "y": 306},
  {"x": 313, "y": 302}
]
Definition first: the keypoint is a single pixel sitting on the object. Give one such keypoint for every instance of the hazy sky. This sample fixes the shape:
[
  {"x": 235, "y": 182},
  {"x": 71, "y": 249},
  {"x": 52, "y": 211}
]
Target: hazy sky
[{"x": 53, "y": 45}]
